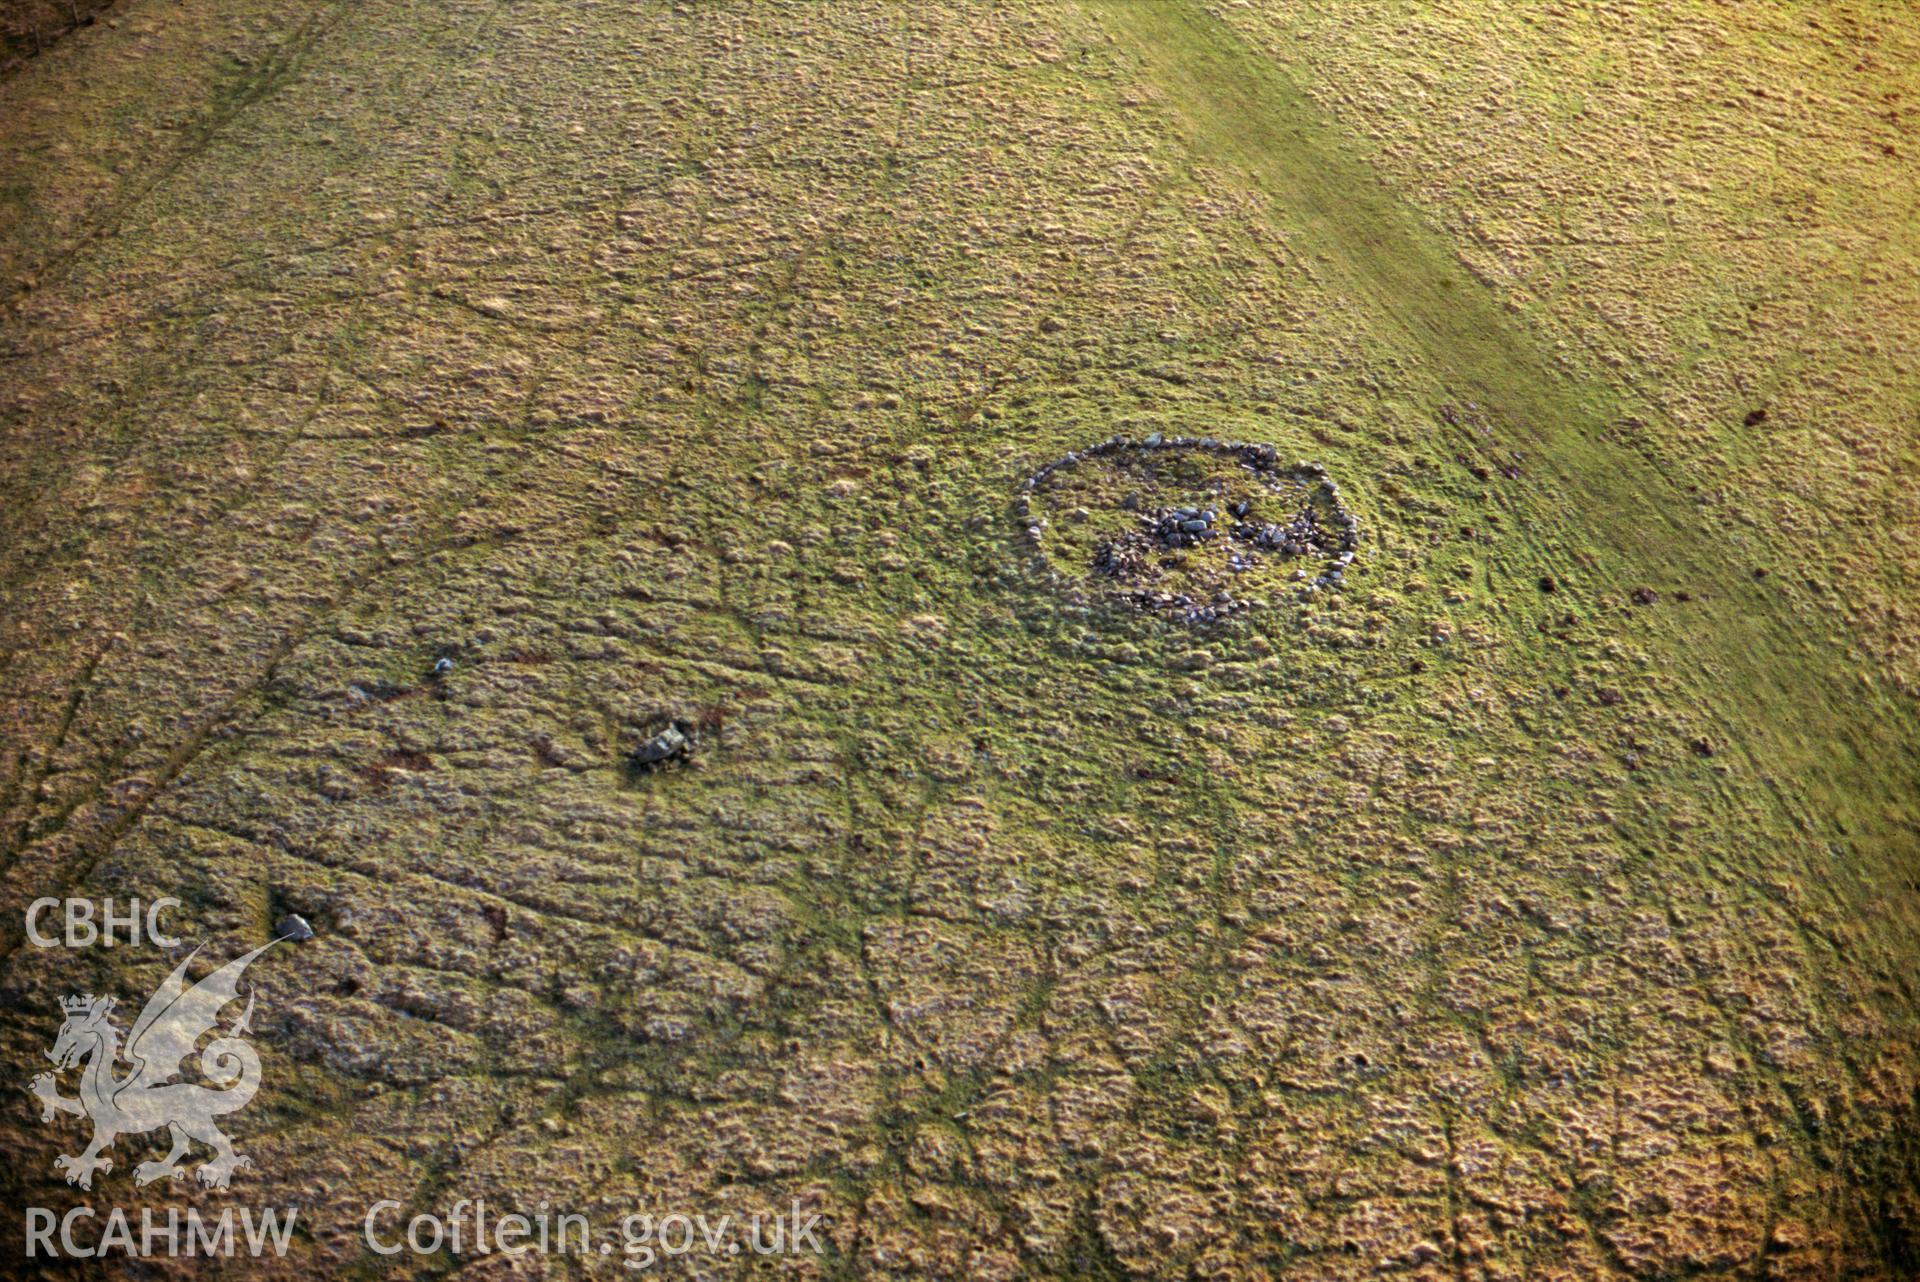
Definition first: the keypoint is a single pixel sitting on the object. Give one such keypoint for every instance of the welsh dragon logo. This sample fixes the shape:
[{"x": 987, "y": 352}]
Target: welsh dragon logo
[{"x": 147, "y": 1098}]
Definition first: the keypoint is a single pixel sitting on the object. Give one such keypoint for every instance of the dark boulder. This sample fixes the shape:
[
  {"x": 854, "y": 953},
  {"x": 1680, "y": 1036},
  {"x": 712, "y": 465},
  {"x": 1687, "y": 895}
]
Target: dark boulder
[{"x": 670, "y": 744}]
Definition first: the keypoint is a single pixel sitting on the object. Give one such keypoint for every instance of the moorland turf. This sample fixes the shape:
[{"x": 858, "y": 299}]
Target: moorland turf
[{"x": 1539, "y": 903}]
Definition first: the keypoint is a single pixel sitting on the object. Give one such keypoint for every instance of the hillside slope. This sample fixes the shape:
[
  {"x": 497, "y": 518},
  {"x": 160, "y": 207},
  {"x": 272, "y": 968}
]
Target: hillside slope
[{"x": 409, "y": 411}]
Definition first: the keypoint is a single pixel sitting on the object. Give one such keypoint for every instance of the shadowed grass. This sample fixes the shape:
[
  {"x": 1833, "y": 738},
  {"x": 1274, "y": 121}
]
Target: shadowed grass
[{"x": 1610, "y": 512}]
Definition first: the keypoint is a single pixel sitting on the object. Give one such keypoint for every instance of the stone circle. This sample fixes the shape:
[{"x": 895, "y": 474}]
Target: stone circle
[{"x": 1190, "y": 529}]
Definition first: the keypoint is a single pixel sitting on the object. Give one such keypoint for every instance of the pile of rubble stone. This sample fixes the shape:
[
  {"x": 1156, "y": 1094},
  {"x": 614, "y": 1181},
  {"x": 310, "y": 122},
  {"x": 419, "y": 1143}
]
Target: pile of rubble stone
[
  {"x": 1184, "y": 608},
  {"x": 1323, "y": 527},
  {"x": 1126, "y": 558},
  {"x": 1182, "y": 527}
]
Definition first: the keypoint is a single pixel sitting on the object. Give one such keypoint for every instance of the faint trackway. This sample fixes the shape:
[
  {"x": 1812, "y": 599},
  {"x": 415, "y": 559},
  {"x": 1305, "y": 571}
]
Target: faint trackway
[
  {"x": 103, "y": 833},
  {"x": 275, "y": 70},
  {"x": 1241, "y": 106}
]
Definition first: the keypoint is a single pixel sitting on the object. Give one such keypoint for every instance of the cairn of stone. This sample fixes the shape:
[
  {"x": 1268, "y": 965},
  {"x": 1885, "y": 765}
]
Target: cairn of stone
[
  {"x": 1126, "y": 559},
  {"x": 1319, "y": 530}
]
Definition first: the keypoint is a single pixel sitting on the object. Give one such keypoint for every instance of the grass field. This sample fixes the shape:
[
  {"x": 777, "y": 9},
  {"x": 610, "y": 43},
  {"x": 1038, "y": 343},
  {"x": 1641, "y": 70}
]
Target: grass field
[{"x": 1543, "y": 901}]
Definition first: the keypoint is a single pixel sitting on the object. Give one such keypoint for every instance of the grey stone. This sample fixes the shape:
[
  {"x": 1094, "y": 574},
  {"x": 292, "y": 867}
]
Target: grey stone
[{"x": 668, "y": 745}]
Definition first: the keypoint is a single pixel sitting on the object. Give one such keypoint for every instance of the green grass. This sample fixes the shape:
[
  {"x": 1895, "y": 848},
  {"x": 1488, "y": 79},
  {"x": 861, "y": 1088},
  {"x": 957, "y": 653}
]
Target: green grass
[
  {"x": 1351, "y": 925},
  {"x": 1612, "y": 520}
]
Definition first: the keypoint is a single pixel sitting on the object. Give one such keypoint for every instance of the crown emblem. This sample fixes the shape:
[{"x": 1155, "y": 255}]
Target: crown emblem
[{"x": 169, "y": 1031}]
